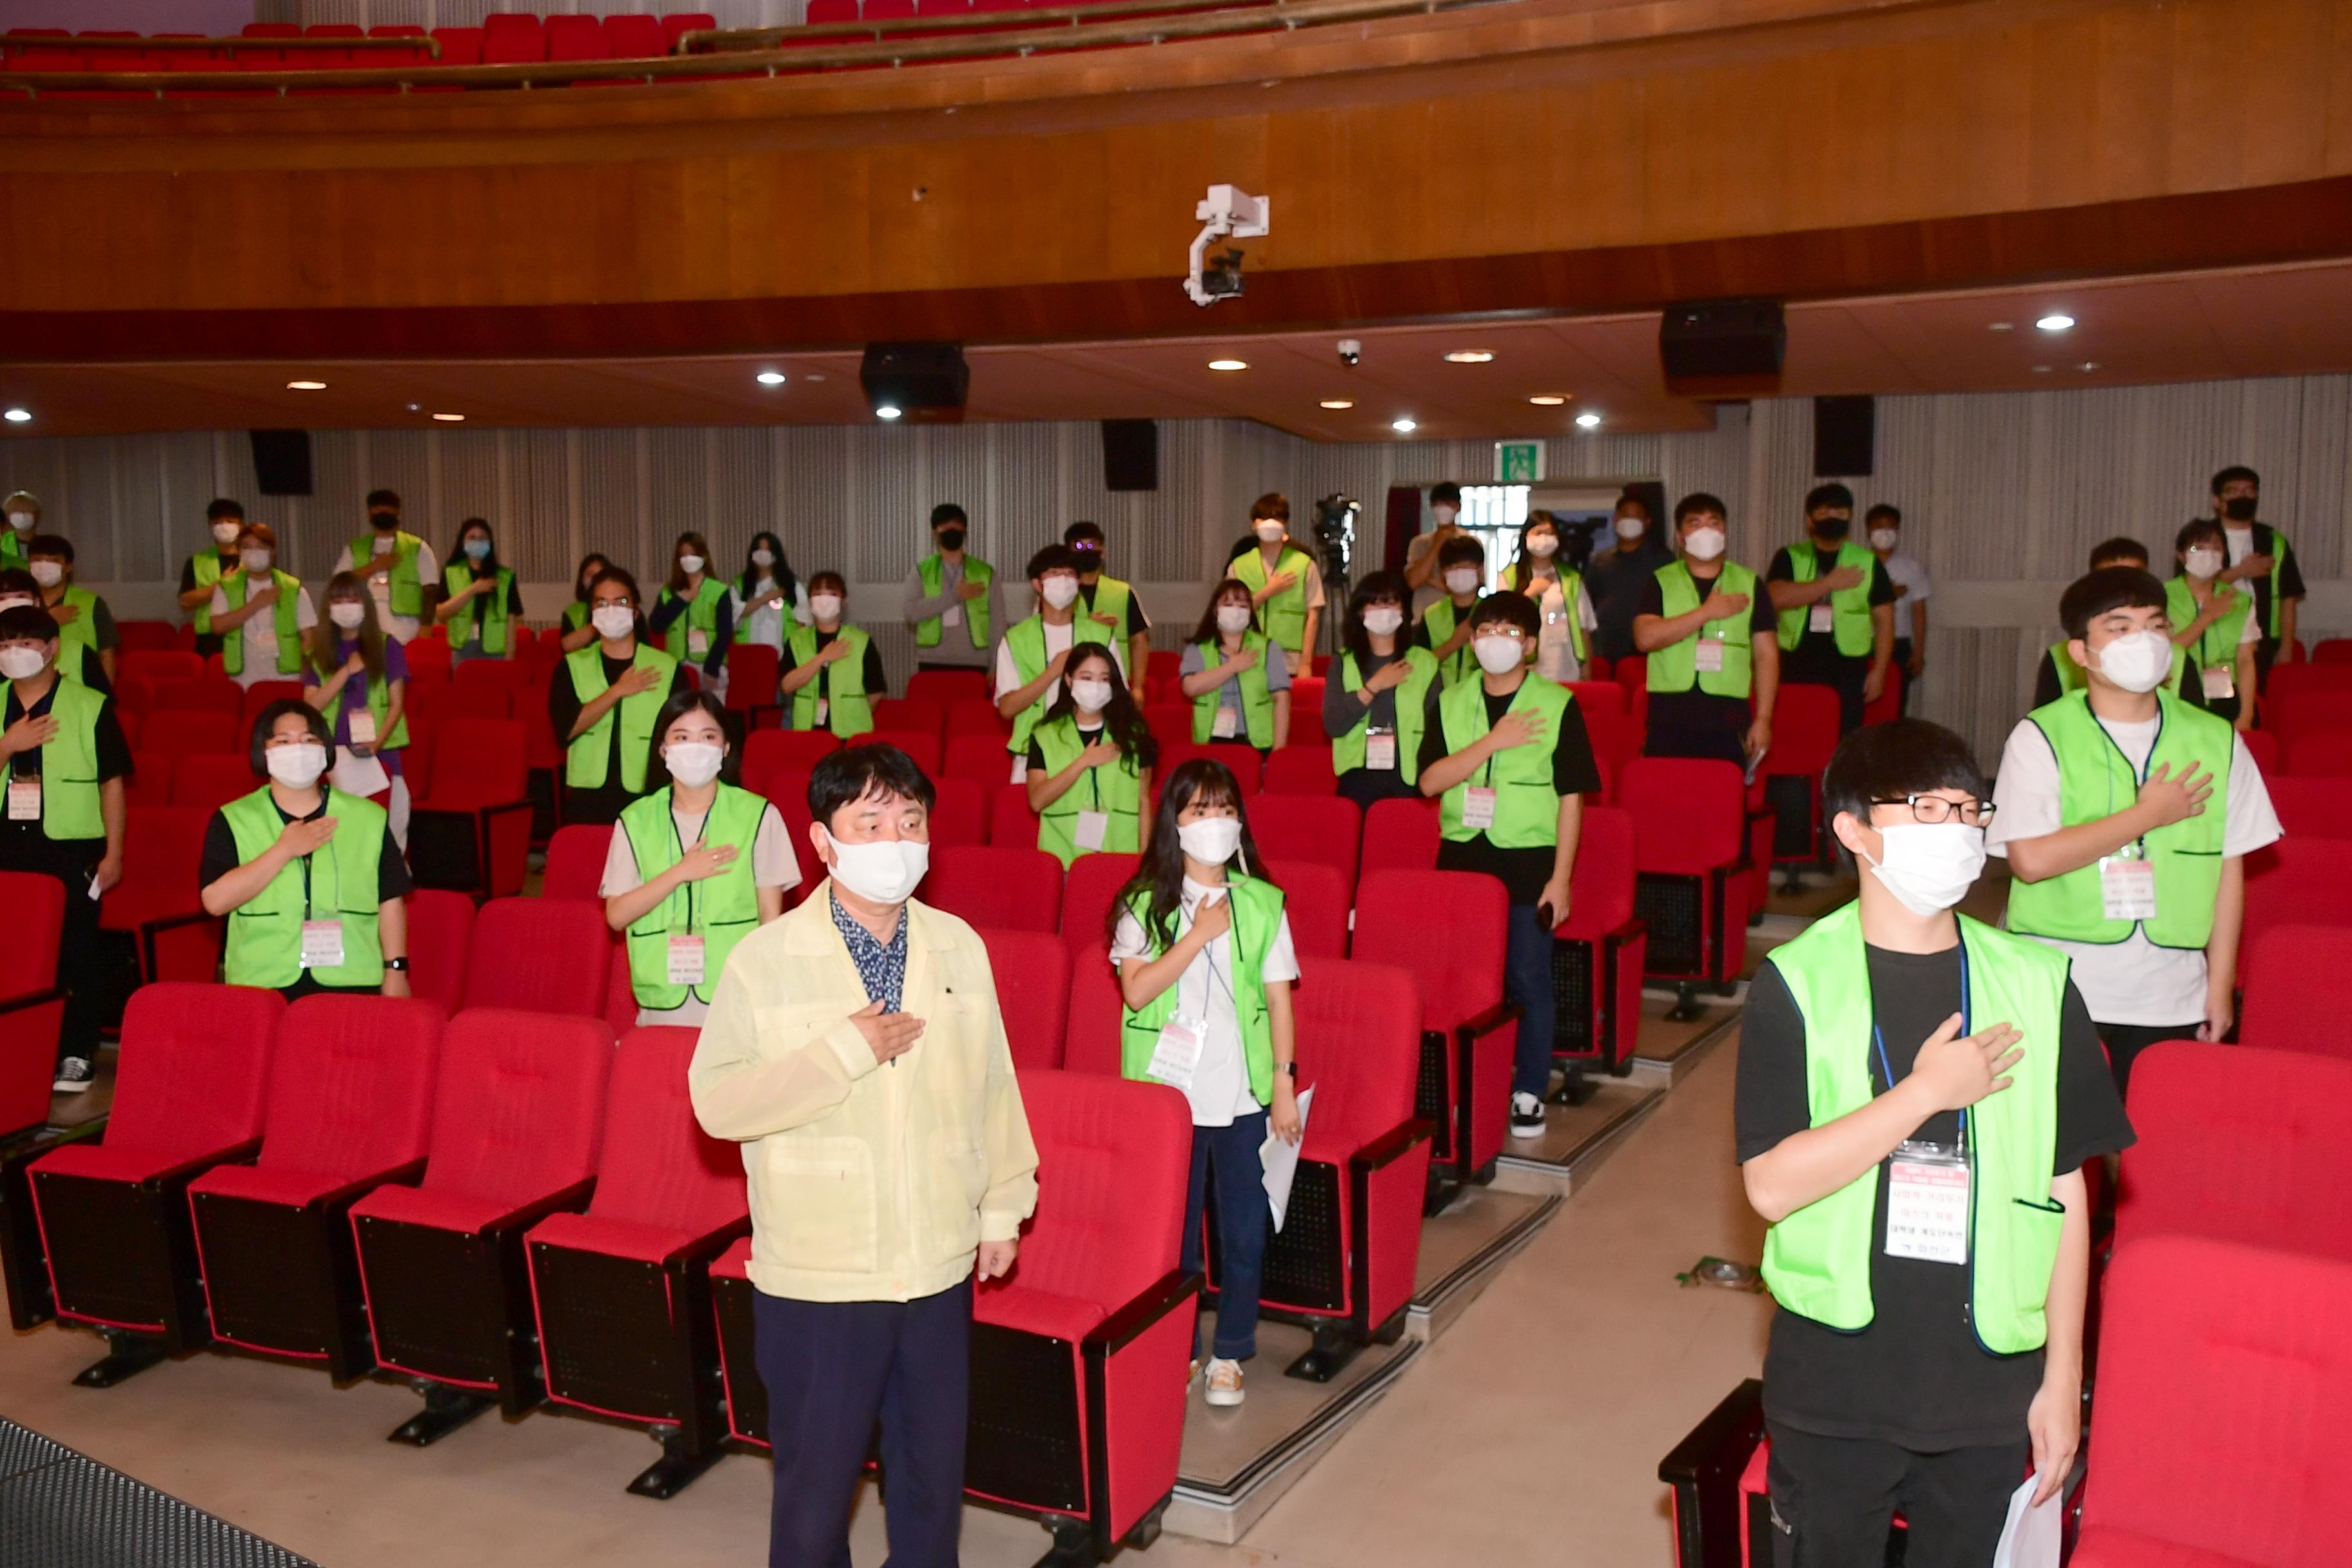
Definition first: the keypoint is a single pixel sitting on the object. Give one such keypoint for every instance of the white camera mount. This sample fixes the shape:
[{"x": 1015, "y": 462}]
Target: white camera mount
[{"x": 1226, "y": 210}]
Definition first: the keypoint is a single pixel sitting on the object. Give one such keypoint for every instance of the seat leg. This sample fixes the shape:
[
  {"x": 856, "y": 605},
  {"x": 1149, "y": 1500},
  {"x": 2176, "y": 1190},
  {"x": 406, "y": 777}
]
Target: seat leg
[
  {"x": 1073, "y": 1542},
  {"x": 1686, "y": 1008},
  {"x": 675, "y": 1469},
  {"x": 1442, "y": 1183},
  {"x": 127, "y": 1356},
  {"x": 1146, "y": 1529},
  {"x": 1333, "y": 1349},
  {"x": 1575, "y": 1089},
  {"x": 446, "y": 1410}
]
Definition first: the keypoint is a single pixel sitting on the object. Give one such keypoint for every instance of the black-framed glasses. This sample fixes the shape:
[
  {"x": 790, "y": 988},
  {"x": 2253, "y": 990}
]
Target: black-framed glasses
[{"x": 1934, "y": 808}]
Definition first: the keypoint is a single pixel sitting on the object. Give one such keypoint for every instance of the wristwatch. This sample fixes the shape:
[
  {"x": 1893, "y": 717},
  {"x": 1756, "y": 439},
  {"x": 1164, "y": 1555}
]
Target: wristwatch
[
  {"x": 1289, "y": 1069},
  {"x": 398, "y": 966}
]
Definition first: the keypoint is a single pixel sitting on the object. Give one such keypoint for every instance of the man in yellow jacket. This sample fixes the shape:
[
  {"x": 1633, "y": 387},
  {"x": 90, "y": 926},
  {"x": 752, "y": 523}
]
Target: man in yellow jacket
[{"x": 854, "y": 1048}]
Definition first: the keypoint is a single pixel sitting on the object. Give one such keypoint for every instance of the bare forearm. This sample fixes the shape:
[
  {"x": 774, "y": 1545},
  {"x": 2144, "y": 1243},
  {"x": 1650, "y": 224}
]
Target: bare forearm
[
  {"x": 1570, "y": 829},
  {"x": 1810, "y": 1165},
  {"x": 1652, "y": 632},
  {"x": 1281, "y": 718},
  {"x": 623, "y": 910},
  {"x": 2070, "y": 1281},
  {"x": 2229, "y": 919},
  {"x": 1882, "y": 635},
  {"x": 1791, "y": 595},
  {"x": 2072, "y": 848},
  {"x": 1200, "y": 684},
  {"x": 198, "y": 597},
  {"x": 1452, "y": 769},
  {"x": 594, "y": 709},
  {"x": 1764, "y": 673},
  {"x": 1045, "y": 788},
  {"x": 234, "y": 890},
  {"x": 1141, "y": 980},
  {"x": 392, "y": 927},
  {"x": 114, "y": 811}
]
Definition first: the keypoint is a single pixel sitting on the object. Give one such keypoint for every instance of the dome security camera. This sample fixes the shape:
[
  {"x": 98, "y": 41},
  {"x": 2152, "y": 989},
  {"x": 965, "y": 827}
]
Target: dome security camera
[{"x": 1351, "y": 353}]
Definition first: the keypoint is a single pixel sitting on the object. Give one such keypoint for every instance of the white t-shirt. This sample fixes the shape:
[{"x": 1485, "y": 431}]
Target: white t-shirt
[
  {"x": 259, "y": 634},
  {"x": 765, "y": 625},
  {"x": 772, "y": 865},
  {"x": 1008, "y": 676},
  {"x": 379, "y": 580},
  {"x": 1907, "y": 573},
  {"x": 1221, "y": 1088},
  {"x": 2133, "y": 981},
  {"x": 1555, "y": 649},
  {"x": 2241, "y": 540}
]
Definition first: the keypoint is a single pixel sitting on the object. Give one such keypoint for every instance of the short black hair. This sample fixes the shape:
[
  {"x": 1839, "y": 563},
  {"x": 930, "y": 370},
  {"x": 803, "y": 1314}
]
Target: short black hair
[
  {"x": 2109, "y": 588},
  {"x": 16, "y": 580},
  {"x": 1893, "y": 513},
  {"x": 2233, "y": 473},
  {"x": 681, "y": 703},
  {"x": 1831, "y": 495},
  {"x": 2198, "y": 528},
  {"x": 947, "y": 511},
  {"x": 855, "y": 773},
  {"x": 624, "y": 577},
  {"x": 1082, "y": 530},
  {"x": 1273, "y": 504},
  {"x": 223, "y": 508},
  {"x": 384, "y": 498},
  {"x": 1900, "y": 757},
  {"x": 2111, "y": 552},
  {"x": 26, "y": 623},
  {"x": 1445, "y": 491},
  {"x": 818, "y": 579},
  {"x": 1461, "y": 547},
  {"x": 56, "y": 544},
  {"x": 1696, "y": 503},
  {"x": 1508, "y": 605},
  {"x": 267, "y": 719},
  {"x": 1053, "y": 558}
]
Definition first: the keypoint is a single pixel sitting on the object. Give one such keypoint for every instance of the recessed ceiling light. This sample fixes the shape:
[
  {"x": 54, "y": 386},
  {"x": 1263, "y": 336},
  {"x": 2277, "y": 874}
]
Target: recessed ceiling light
[
  {"x": 1469, "y": 356},
  {"x": 814, "y": 376},
  {"x": 17, "y": 415},
  {"x": 1338, "y": 403},
  {"x": 769, "y": 378},
  {"x": 2041, "y": 370},
  {"x": 306, "y": 386},
  {"x": 1404, "y": 425},
  {"x": 416, "y": 408},
  {"x": 2000, "y": 326},
  {"x": 1548, "y": 399},
  {"x": 450, "y": 418},
  {"x": 2089, "y": 364},
  {"x": 888, "y": 411},
  {"x": 1588, "y": 421},
  {"x": 2055, "y": 321},
  {"x": 1229, "y": 364}
]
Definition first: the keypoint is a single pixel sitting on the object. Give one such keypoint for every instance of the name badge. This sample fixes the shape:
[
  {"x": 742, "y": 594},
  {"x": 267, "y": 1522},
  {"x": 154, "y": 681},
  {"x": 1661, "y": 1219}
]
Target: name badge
[
  {"x": 952, "y": 615},
  {"x": 322, "y": 945},
  {"x": 1927, "y": 1203},
  {"x": 1478, "y": 808},
  {"x": 1227, "y": 724},
  {"x": 686, "y": 961},
  {"x": 1177, "y": 1053},
  {"x": 1020, "y": 768},
  {"x": 823, "y": 707},
  {"x": 1380, "y": 750},
  {"x": 2218, "y": 683},
  {"x": 1093, "y": 827},
  {"x": 362, "y": 726},
  {"x": 24, "y": 799},
  {"x": 697, "y": 642},
  {"x": 1710, "y": 655},
  {"x": 1823, "y": 616},
  {"x": 2127, "y": 887}
]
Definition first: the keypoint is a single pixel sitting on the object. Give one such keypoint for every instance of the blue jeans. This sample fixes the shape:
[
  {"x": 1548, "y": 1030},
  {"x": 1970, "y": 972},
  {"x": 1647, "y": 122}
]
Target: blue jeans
[
  {"x": 1527, "y": 980},
  {"x": 1226, "y": 1158}
]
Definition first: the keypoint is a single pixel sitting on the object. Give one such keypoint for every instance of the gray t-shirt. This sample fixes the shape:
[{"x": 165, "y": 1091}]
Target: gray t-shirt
[
  {"x": 954, "y": 612},
  {"x": 1229, "y": 695}
]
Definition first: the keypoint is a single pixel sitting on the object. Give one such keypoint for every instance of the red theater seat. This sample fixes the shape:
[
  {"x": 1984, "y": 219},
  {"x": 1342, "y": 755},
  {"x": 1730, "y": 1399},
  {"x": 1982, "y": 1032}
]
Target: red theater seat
[
  {"x": 911, "y": 715},
  {"x": 1091, "y": 1044},
  {"x": 975, "y": 717},
  {"x": 516, "y": 1118},
  {"x": 983, "y": 759},
  {"x": 678, "y": 24},
  {"x": 959, "y": 812},
  {"x": 351, "y": 1100},
  {"x": 2295, "y": 881},
  {"x": 2320, "y": 755},
  {"x": 771, "y": 750},
  {"x": 1600, "y": 949},
  {"x": 1033, "y": 990},
  {"x": 513, "y": 38},
  {"x": 2299, "y": 1005},
  {"x": 32, "y": 1007},
  {"x": 575, "y": 860},
  {"x": 634, "y": 37},
  {"x": 201, "y": 694},
  {"x": 207, "y": 781},
  {"x": 158, "y": 665},
  {"x": 470, "y": 829},
  {"x": 2310, "y": 807},
  {"x": 1241, "y": 760},
  {"x": 158, "y": 901},
  {"x": 923, "y": 746},
  {"x": 1400, "y": 835},
  {"x": 540, "y": 955},
  {"x": 1324, "y": 829},
  {"x": 1011, "y": 823},
  {"x": 951, "y": 689},
  {"x": 1088, "y": 894},
  {"x": 1806, "y": 721},
  {"x": 753, "y": 671},
  {"x": 1300, "y": 770},
  {"x": 1316, "y": 900},
  {"x": 440, "y": 939},
  {"x": 1690, "y": 832},
  {"x": 576, "y": 38},
  {"x": 1015, "y": 888},
  {"x": 621, "y": 1292}
]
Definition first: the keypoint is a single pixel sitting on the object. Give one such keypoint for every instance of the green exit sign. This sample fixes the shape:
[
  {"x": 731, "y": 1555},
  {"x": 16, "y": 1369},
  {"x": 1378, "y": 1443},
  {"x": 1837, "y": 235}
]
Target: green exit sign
[{"x": 1518, "y": 462}]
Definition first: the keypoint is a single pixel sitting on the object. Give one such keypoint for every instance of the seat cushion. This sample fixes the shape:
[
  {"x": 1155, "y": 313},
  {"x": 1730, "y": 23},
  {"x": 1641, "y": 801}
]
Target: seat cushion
[
  {"x": 438, "y": 1207},
  {"x": 735, "y": 1263},
  {"x": 1057, "y": 1317},
  {"x": 2107, "y": 1547},
  {"x": 613, "y": 1237},
  {"x": 291, "y": 1188},
  {"x": 128, "y": 909},
  {"x": 109, "y": 1161}
]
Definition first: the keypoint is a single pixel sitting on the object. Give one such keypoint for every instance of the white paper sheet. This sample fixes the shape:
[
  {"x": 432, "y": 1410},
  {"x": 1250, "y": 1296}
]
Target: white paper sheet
[
  {"x": 2029, "y": 1538},
  {"x": 359, "y": 775},
  {"x": 1280, "y": 1159}
]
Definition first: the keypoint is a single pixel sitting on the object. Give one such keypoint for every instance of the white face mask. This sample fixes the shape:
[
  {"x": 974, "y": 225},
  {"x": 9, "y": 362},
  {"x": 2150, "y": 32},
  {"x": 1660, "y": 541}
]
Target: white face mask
[
  {"x": 254, "y": 560},
  {"x": 689, "y": 564},
  {"x": 21, "y": 663},
  {"x": 1883, "y": 538},
  {"x": 1091, "y": 696},
  {"x": 612, "y": 622},
  {"x": 763, "y": 557},
  {"x": 2137, "y": 661},
  {"x": 1461, "y": 580},
  {"x": 1543, "y": 546},
  {"x": 224, "y": 534},
  {"x": 1630, "y": 527},
  {"x": 21, "y": 521},
  {"x": 1234, "y": 617},
  {"x": 825, "y": 607},
  {"x": 296, "y": 766},
  {"x": 1498, "y": 655},
  {"x": 347, "y": 615},
  {"x": 48, "y": 574},
  {"x": 10, "y": 601},
  {"x": 1060, "y": 592},
  {"x": 693, "y": 762},
  {"x": 882, "y": 872},
  {"x": 1268, "y": 530},
  {"x": 1929, "y": 866},
  {"x": 1211, "y": 840},
  {"x": 1383, "y": 620},
  {"x": 1703, "y": 543},
  {"x": 1444, "y": 512},
  {"x": 2202, "y": 564}
]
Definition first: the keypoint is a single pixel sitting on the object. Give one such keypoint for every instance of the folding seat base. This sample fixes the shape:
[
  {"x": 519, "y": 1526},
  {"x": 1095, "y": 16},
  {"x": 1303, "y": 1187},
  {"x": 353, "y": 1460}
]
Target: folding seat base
[
  {"x": 285, "y": 1281},
  {"x": 747, "y": 1396},
  {"x": 122, "y": 1259},
  {"x": 446, "y": 1410},
  {"x": 22, "y": 1275}
]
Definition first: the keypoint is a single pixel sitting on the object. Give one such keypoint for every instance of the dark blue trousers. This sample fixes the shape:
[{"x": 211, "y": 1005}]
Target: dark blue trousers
[
  {"x": 832, "y": 1368},
  {"x": 1527, "y": 980},
  {"x": 1226, "y": 1164}
]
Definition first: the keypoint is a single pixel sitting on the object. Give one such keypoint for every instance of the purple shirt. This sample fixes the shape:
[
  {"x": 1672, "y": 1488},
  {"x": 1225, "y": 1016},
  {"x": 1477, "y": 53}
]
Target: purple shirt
[{"x": 353, "y": 696}]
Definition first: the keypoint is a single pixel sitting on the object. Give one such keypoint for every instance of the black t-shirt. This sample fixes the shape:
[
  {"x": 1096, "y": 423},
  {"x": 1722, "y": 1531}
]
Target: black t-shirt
[
  {"x": 1523, "y": 872},
  {"x": 1614, "y": 580},
  {"x": 563, "y": 707},
  {"x": 1135, "y": 623},
  {"x": 1087, "y": 735},
  {"x": 113, "y": 750},
  {"x": 1698, "y": 723},
  {"x": 1818, "y": 651},
  {"x": 514, "y": 587},
  {"x": 1916, "y": 1375},
  {"x": 876, "y": 685},
  {"x": 220, "y": 857}
]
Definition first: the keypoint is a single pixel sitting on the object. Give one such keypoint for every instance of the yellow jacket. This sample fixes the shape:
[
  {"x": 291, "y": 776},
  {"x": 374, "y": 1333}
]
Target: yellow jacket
[{"x": 868, "y": 1183}]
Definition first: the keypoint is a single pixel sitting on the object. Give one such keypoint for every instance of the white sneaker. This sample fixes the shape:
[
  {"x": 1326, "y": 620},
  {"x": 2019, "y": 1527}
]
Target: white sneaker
[
  {"x": 1527, "y": 1116},
  {"x": 1224, "y": 1387},
  {"x": 73, "y": 1075}
]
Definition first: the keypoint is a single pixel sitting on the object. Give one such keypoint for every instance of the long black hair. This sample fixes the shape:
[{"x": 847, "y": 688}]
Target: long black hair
[
  {"x": 488, "y": 563},
  {"x": 1521, "y": 572},
  {"x": 781, "y": 573},
  {"x": 584, "y": 581},
  {"x": 681, "y": 703},
  {"x": 1375, "y": 588},
  {"x": 1161, "y": 878},
  {"x": 1122, "y": 719},
  {"x": 1206, "y": 632}
]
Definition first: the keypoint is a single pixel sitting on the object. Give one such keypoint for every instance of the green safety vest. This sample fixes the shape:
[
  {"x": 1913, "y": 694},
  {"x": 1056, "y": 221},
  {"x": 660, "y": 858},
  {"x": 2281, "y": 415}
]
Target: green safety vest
[
  {"x": 848, "y": 710},
  {"x": 1026, "y": 638},
  {"x": 701, "y": 615},
  {"x": 1111, "y": 597},
  {"x": 1116, "y": 790},
  {"x": 289, "y": 634},
  {"x": 1674, "y": 668},
  {"x": 1527, "y": 810},
  {"x": 265, "y": 933},
  {"x": 69, "y": 805},
  {"x": 2095, "y": 781},
  {"x": 933, "y": 572},
  {"x": 407, "y": 597},
  {"x": 1817, "y": 1259},
  {"x": 206, "y": 567},
  {"x": 493, "y": 616},
  {"x": 576, "y": 614},
  {"x": 1283, "y": 616},
  {"x": 721, "y": 910},
  {"x": 1411, "y": 696},
  {"x": 2072, "y": 678},
  {"x": 1571, "y": 586},
  {"x": 589, "y": 755},
  {"x": 379, "y": 703},
  {"x": 1258, "y": 916},
  {"x": 2217, "y": 648},
  {"x": 2275, "y": 620},
  {"x": 83, "y": 628},
  {"x": 1437, "y": 622},
  {"x": 12, "y": 548},
  {"x": 1257, "y": 703},
  {"x": 1850, "y": 621}
]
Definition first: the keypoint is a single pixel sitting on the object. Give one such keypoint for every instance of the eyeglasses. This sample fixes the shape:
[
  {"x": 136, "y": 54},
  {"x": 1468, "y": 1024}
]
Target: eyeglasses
[{"x": 1934, "y": 808}]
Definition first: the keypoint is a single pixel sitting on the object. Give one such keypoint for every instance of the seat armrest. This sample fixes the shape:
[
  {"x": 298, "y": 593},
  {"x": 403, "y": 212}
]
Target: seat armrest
[
  {"x": 570, "y": 1199},
  {"x": 406, "y": 1175},
  {"x": 1627, "y": 931},
  {"x": 189, "y": 1170},
  {"x": 1493, "y": 1018},
  {"x": 1165, "y": 1295},
  {"x": 1390, "y": 1146},
  {"x": 706, "y": 1247},
  {"x": 32, "y": 999}
]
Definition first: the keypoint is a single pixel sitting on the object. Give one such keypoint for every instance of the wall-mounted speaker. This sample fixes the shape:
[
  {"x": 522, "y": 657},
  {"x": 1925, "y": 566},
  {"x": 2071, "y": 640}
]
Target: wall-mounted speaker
[
  {"x": 1722, "y": 348},
  {"x": 1130, "y": 454},
  {"x": 1845, "y": 437},
  {"x": 281, "y": 461},
  {"x": 925, "y": 383}
]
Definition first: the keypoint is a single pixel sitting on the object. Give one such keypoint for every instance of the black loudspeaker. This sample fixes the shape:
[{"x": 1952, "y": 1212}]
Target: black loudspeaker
[
  {"x": 1722, "y": 346},
  {"x": 1130, "y": 454},
  {"x": 281, "y": 461},
  {"x": 925, "y": 383},
  {"x": 1845, "y": 437}
]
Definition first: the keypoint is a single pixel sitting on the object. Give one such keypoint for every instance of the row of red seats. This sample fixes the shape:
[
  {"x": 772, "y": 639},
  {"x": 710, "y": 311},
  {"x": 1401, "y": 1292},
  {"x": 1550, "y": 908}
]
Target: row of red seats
[{"x": 504, "y": 39}]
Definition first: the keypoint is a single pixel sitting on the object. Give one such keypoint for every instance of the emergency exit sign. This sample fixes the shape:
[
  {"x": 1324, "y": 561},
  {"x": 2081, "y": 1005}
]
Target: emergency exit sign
[{"x": 1518, "y": 462}]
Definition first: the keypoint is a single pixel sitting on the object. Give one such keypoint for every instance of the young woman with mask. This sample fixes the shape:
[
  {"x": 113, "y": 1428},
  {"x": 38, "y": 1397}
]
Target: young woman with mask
[
  {"x": 1239, "y": 694},
  {"x": 832, "y": 672},
  {"x": 1444, "y": 626},
  {"x": 1372, "y": 711},
  {"x": 1559, "y": 593},
  {"x": 259, "y": 612},
  {"x": 692, "y": 617},
  {"x": 695, "y": 865},
  {"x": 2214, "y": 623},
  {"x": 1090, "y": 761},
  {"x": 577, "y": 633},
  {"x": 309, "y": 877},
  {"x": 224, "y": 521},
  {"x": 767, "y": 601},
  {"x": 479, "y": 599},
  {"x": 358, "y": 677},
  {"x": 1205, "y": 967},
  {"x": 604, "y": 703}
]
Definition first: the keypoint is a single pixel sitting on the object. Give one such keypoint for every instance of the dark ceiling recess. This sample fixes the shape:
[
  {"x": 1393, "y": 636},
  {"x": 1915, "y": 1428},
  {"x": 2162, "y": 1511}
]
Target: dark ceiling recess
[
  {"x": 925, "y": 383},
  {"x": 1723, "y": 348}
]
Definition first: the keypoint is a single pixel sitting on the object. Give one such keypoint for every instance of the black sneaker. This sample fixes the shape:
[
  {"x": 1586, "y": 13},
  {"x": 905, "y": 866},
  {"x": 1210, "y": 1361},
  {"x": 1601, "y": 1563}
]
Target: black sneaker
[
  {"x": 73, "y": 1075},
  {"x": 1527, "y": 1116}
]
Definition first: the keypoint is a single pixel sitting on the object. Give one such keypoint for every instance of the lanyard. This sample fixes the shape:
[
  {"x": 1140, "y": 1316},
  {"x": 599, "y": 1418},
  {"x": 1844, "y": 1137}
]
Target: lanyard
[
  {"x": 309, "y": 907},
  {"x": 1878, "y": 1039},
  {"x": 678, "y": 838},
  {"x": 2138, "y": 776}
]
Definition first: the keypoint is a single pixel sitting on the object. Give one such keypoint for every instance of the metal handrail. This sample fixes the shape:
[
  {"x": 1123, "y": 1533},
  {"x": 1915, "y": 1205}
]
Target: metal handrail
[
  {"x": 745, "y": 39},
  {"x": 150, "y": 45}
]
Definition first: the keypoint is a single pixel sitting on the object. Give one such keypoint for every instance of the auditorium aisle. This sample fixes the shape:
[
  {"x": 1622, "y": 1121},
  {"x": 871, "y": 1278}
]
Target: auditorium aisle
[{"x": 1530, "y": 1432}]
